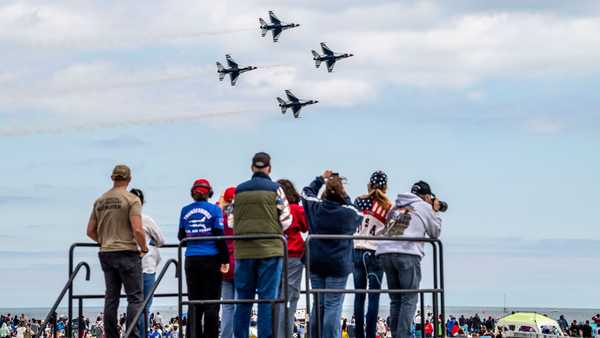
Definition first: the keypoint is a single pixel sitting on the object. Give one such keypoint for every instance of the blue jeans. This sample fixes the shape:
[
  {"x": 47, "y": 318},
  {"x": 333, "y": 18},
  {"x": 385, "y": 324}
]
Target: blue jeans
[
  {"x": 253, "y": 276},
  {"x": 295, "y": 268},
  {"x": 330, "y": 305},
  {"x": 228, "y": 292},
  {"x": 149, "y": 279},
  {"x": 402, "y": 272},
  {"x": 366, "y": 269}
]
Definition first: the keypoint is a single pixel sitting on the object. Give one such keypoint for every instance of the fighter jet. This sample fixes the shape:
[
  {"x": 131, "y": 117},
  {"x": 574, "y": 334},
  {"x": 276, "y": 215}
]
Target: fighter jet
[
  {"x": 276, "y": 26},
  {"x": 234, "y": 70},
  {"x": 294, "y": 103},
  {"x": 329, "y": 57}
]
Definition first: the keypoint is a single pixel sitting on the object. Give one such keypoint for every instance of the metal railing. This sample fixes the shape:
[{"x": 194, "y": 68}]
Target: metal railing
[
  {"x": 283, "y": 299},
  {"x": 136, "y": 318},
  {"x": 80, "y": 298},
  {"x": 436, "y": 291},
  {"x": 68, "y": 285}
]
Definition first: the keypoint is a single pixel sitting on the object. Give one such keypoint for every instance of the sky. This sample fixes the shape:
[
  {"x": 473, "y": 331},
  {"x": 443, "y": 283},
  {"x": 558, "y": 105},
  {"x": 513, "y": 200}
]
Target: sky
[{"x": 493, "y": 103}]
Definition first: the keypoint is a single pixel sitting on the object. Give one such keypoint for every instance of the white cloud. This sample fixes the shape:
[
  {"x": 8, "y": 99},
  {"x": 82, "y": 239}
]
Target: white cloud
[
  {"x": 68, "y": 58},
  {"x": 544, "y": 126}
]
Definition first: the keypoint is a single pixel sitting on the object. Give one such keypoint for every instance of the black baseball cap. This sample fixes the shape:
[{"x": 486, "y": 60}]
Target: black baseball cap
[
  {"x": 421, "y": 188},
  {"x": 261, "y": 160}
]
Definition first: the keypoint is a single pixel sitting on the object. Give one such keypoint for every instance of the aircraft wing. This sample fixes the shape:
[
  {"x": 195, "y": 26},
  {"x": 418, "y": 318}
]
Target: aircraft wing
[
  {"x": 326, "y": 49},
  {"x": 296, "y": 110},
  {"x": 330, "y": 64},
  {"x": 276, "y": 33},
  {"x": 274, "y": 19},
  {"x": 291, "y": 96},
  {"x": 230, "y": 61},
  {"x": 234, "y": 76}
]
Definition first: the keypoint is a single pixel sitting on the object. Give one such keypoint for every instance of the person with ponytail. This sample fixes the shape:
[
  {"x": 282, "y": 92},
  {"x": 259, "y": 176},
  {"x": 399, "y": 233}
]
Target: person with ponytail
[
  {"x": 368, "y": 272},
  {"x": 330, "y": 260}
]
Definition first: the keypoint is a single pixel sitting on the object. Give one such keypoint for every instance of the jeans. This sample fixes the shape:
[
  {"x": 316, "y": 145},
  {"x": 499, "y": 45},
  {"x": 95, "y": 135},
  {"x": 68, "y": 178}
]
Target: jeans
[
  {"x": 121, "y": 268},
  {"x": 402, "y": 272},
  {"x": 148, "y": 279},
  {"x": 330, "y": 305},
  {"x": 228, "y": 292},
  {"x": 204, "y": 279},
  {"x": 253, "y": 276},
  {"x": 295, "y": 268},
  {"x": 366, "y": 269}
]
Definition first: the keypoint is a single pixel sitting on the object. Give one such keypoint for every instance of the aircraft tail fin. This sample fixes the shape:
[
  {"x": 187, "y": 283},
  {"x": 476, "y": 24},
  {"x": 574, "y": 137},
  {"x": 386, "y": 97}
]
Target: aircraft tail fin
[
  {"x": 282, "y": 105},
  {"x": 316, "y": 56},
  {"x": 263, "y": 24}
]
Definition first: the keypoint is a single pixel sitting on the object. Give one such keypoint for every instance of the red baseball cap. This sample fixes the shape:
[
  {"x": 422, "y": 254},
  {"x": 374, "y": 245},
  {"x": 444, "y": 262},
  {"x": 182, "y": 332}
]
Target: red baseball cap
[
  {"x": 202, "y": 185},
  {"x": 229, "y": 194}
]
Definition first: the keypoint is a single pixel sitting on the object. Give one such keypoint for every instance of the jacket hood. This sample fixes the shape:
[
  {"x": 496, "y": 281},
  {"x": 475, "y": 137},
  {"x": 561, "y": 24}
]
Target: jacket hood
[{"x": 406, "y": 199}]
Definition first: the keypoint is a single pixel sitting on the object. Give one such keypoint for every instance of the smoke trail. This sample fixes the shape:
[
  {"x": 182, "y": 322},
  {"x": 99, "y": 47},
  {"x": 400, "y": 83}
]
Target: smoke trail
[
  {"x": 206, "y": 33},
  {"x": 107, "y": 125}
]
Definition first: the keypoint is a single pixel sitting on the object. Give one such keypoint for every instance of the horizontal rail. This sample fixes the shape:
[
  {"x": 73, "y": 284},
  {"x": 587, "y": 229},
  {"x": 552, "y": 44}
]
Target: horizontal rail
[
  {"x": 232, "y": 301},
  {"x": 361, "y": 291},
  {"x": 99, "y": 296}
]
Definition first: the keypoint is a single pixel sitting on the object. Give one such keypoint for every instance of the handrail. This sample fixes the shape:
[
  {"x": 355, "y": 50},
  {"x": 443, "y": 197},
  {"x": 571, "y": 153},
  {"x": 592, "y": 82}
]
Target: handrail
[
  {"x": 142, "y": 309},
  {"x": 282, "y": 299},
  {"x": 68, "y": 286},
  {"x": 435, "y": 292}
]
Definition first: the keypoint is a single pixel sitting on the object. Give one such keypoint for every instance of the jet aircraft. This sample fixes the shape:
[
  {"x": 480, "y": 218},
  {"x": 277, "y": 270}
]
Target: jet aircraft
[
  {"x": 329, "y": 57},
  {"x": 234, "y": 70},
  {"x": 276, "y": 26},
  {"x": 294, "y": 103}
]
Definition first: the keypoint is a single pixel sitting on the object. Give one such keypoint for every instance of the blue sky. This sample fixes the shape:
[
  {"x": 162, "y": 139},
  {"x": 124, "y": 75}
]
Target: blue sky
[{"x": 495, "y": 105}]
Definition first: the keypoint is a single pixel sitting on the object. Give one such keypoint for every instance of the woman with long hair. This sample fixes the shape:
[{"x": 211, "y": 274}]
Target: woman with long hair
[
  {"x": 295, "y": 253},
  {"x": 331, "y": 260},
  {"x": 367, "y": 271}
]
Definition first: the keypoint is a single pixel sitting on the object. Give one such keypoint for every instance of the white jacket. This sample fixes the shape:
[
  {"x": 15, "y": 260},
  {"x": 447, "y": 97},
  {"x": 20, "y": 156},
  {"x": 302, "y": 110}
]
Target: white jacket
[
  {"x": 153, "y": 235},
  {"x": 425, "y": 222}
]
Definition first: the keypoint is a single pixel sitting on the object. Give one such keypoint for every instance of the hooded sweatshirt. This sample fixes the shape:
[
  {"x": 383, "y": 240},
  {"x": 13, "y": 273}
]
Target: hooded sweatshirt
[{"x": 424, "y": 221}]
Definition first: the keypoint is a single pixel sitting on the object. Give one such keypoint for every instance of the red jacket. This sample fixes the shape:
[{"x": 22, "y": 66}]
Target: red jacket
[
  {"x": 228, "y": 231},
  {"x": 293, "y": 233}
]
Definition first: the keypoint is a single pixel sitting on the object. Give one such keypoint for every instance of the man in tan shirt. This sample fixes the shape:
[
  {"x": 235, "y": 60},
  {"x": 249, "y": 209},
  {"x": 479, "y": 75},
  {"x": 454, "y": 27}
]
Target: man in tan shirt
[{"x": 116, "y": 224}]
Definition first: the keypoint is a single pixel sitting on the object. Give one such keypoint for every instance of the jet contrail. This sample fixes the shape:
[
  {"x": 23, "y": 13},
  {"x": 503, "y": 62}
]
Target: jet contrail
[
  {"x": 107, "y": 125},
  {"x": 206, "y": 33}
]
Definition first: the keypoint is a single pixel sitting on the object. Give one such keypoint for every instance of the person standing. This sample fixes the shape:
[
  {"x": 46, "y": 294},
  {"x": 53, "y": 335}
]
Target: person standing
[
  {"x": 205, "y": 261},
  {"x": 260, "y": 207},
  {"x": 228, "y": 288},
  {"x": 295, "y": 253},
  {"x": 116, "y": 224},
  {"x": 331, "y": 260},
  {"x": 150, "y": 261},
  {"x": 415, "y": 215},
  {"x": 367, "y": 269}
]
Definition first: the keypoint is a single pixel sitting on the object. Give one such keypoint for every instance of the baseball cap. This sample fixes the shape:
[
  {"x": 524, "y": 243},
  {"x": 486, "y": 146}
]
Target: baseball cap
[
  {"x": 121, "y": 172},
  {"x": 421, "y": 188},
  {"x": 261, "y": 160},
  {"x": 229, "y": 194},
  {"x": 202, "y": 185},
  {"x": 378, "y": 180}
]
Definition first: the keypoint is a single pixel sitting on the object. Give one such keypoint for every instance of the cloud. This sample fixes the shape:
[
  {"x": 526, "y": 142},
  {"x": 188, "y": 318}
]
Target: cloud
[{"x": 99, "y": 63}]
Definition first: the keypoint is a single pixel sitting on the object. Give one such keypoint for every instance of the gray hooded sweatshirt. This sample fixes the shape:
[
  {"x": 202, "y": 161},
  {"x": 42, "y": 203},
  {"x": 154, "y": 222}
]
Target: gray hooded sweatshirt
[{"x": 425, "y": 222}]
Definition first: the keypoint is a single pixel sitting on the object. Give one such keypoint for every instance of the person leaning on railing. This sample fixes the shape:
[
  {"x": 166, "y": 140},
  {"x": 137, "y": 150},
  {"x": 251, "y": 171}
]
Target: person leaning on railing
[
  {"x": 330, "y": 260},
  {"x": 414, "y": 215}
]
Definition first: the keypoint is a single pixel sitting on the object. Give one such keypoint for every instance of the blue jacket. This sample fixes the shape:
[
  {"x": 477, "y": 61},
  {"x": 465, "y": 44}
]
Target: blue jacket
[
  {"x": 329, "y": 257},
  {"x": 201, "y": 219}
]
